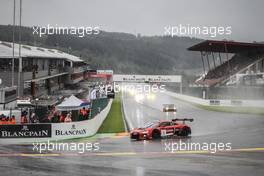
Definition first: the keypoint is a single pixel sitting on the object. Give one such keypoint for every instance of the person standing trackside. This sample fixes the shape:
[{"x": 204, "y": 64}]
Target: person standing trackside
[
  {"x": 33, "y": 118},
  {"x": 62, "y": 117},
  {"x": 23, "y": 119},
  {"x": 2, "y": 120},
  {"x": 68, "y": 118},
  {"x": 13, "y": 120}
]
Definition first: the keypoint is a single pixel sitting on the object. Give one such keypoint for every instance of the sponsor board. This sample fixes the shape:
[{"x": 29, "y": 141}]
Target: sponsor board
[
  {"x": 147, "y": 78},
  {"x": 214, "y": 102},
  {"x": 110, "y": 72},
  {"x": 73, "y": 131},
  {"x": 25, "y": 131}
]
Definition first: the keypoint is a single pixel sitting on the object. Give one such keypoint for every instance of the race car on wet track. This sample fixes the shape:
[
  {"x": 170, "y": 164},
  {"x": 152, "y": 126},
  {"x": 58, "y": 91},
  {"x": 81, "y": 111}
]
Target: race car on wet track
[{"x": 162, "y": 128}]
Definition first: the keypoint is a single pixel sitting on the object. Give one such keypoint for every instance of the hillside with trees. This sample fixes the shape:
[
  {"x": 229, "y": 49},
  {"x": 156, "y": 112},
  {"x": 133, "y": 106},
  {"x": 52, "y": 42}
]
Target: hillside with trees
[{"x": 122, "y": 52}]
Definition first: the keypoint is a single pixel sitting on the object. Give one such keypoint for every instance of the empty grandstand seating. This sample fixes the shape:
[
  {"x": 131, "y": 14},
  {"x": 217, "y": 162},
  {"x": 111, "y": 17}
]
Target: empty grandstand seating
[{"x": 228, "y": 68}]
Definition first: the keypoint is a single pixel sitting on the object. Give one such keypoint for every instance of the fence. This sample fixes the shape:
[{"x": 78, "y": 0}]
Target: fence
[{"x": 98, "y": 105}]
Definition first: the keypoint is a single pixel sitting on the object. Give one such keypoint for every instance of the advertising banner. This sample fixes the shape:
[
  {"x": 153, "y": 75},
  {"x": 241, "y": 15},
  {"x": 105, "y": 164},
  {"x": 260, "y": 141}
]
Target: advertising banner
[
  {"x": 147, "y": 78},
  {"x": 25, "y": 131}
]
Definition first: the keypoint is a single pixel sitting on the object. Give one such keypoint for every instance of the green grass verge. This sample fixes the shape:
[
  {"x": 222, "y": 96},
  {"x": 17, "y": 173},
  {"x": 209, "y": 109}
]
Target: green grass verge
[{"x": 114, "y": 121}]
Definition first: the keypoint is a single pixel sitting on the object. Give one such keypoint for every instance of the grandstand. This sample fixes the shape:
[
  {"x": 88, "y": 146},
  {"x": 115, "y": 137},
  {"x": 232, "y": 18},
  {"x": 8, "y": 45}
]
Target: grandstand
[{"x": 226, "y": 59}]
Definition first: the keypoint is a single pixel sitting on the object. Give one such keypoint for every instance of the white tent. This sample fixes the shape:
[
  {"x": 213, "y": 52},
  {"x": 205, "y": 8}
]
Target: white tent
[{"x": 71, "y": 103}]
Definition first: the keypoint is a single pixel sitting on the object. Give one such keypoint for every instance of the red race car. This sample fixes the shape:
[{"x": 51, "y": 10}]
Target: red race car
[{"x": 163, "y": 128}]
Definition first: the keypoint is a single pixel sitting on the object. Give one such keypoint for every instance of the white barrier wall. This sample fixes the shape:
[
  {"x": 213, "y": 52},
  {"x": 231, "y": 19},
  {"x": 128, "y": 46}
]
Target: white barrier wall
[
  {"x": 214, "y": 102},
  {"x": 188, "y": 98},
  {"x": 80, "y": 129},
  {"x": 62, "y": 131},
  {"x": 127, "y": 120}
]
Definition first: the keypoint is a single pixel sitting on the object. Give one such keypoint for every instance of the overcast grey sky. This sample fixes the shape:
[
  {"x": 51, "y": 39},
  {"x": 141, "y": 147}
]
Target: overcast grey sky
[{"x": 147, "y": 17}]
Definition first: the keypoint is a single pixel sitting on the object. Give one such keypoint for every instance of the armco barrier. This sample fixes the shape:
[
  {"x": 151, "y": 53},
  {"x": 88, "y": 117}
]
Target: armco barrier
[{"x": 61, "y": 131}]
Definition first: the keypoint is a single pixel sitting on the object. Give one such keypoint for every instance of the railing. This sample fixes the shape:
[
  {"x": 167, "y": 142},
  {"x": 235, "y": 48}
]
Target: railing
[
  {"x": 39, "y": 74},
  {"x": 77, "y": 69},
  {"x": 42, "y": 73}
]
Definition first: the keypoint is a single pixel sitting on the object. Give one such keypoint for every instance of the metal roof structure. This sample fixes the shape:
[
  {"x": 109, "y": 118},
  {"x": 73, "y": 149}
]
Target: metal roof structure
[
  {"x": 227, "y": 47},
  {"x": 6, "y": 51}
]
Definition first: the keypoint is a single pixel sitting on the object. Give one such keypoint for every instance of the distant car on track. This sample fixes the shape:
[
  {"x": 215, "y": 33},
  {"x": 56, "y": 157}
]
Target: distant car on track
[
  {"x": 162, "y": 128},
  {"x": 169, "y": 108}
]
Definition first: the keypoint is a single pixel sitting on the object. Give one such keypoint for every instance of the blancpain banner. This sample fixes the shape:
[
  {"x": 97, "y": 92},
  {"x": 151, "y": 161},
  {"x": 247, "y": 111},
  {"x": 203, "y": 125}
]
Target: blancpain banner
[
  {"x": 25, "y": 131},
  {"x": 110, "y": 72},
  {"x": 147, "y": 78},
  {"x": 77, "y": 129},
  {"x": 73, "y": 131}
]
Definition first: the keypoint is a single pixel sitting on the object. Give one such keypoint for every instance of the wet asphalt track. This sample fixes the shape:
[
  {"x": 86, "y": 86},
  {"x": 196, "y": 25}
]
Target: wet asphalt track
[{"x": 120, "y": 156}]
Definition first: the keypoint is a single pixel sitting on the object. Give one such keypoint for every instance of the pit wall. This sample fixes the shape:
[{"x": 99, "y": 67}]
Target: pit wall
[{"x": 62, "y": 131}]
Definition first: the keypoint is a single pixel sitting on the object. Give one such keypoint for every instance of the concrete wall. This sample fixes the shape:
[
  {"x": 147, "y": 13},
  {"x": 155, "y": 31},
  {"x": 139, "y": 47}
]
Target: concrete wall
[
  {"x": 88, "y": 127},
  {"x": 218, "y": 102},
  {"x": 242, "y": 92}
]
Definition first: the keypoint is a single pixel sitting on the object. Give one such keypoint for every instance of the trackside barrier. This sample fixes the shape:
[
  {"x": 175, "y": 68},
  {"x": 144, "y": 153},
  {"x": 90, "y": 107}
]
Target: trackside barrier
[
  {"x": 214, "y": 102},
  {"x": 58, "y": 131},
  {"x": 236, "y": 102},
  {"x": 188, "y": 98},
  {"x": 128, "y": 122}
]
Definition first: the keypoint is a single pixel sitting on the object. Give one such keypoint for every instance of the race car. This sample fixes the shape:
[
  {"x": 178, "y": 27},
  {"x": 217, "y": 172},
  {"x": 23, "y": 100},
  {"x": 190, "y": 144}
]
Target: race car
[
  {"x": 162, "y": 128},
  {"x": 169, "y": 108}
]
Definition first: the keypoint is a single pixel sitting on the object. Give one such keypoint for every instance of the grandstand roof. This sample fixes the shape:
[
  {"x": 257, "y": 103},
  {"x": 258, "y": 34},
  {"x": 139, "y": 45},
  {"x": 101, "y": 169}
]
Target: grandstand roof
[
  {"x": 227, "y": 46},
  {"x": 6, "y": 51}
]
